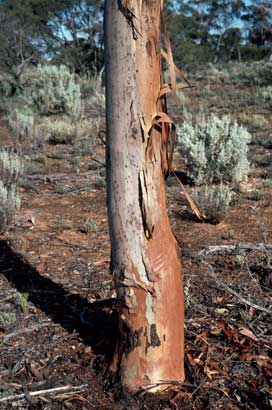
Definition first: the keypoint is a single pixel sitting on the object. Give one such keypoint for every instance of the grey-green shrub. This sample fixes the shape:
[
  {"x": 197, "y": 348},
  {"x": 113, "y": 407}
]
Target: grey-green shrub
[
  {"x": 11, "y": 168},
  {"x": 214, "y": 149},
  {"x": 87, "y": 85},
  {"x": 60, "y": 131},
  {"x": 258, "y": 73},
  {"x": 55, "y": 91},
  {"x": 9, "y": 204},
  {"x": 213, "y": 201},
  {"x": 22, "y": 123},
  {"x": 248, "y": 73},
  {"x": 8, "y": 320},
  {"x": 96, "y": 94},
  {"x": 253, "y": 121},
  {"x": 5, "y": 85},
  {"x": 98, "y": 101},
  {"x": 266, "y": 93}
]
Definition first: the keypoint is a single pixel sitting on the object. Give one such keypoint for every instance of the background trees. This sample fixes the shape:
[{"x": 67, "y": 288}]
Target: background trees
[{"x": 71, "y": 32}]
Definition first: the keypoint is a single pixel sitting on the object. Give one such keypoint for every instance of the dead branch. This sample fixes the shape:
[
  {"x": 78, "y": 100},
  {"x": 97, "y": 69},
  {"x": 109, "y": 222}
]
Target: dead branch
[
  {"x": 43, "y": 392},
  {"x": 26, "y": 330},
  {"x": 234, "y": 293},
  {"x": 229, "y": 249}
]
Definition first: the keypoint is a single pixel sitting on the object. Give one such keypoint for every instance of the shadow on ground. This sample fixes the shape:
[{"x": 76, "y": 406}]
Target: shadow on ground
[{"x": 95, "y": 323}]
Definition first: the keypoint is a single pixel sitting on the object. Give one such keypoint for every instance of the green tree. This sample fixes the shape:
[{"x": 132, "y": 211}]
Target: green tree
[
  {"x": 68, "y": 32},
  {"x": 259, "y": 23}
]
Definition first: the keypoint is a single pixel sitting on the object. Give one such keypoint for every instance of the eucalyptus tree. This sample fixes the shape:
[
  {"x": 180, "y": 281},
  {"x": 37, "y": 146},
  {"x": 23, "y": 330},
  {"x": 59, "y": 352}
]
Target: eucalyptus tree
[{"x": 144, "y": 258}]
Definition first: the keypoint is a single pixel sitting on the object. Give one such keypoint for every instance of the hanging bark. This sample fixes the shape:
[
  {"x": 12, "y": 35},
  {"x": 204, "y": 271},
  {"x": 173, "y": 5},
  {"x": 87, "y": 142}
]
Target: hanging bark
[{"x": 144, "y": 259}]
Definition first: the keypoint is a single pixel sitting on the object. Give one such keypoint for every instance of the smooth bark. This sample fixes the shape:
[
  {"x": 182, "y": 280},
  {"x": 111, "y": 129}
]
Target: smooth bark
[{"x": 144, "y": 260}]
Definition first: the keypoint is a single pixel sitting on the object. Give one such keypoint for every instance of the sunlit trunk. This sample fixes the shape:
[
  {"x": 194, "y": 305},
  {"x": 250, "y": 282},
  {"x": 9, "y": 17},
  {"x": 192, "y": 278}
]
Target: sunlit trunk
[{"x": 144, "y": 260}]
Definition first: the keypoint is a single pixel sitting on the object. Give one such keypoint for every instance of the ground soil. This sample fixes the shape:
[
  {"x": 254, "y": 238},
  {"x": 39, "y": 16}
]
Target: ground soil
[{"x": 57, "y": 252}]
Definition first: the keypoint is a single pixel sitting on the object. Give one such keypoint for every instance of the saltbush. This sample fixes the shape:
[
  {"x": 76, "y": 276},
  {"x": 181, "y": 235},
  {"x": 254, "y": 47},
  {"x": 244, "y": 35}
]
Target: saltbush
[
  {"x": 258, "y": 73},
  {"x": 93, "y": 89},
  {"x": 213, "y": 202},
  {"x": 55, "y": 91},
  {"x": 9, "y": 204},
  {"x": 253, "y": 121},
  {"x": 214, "y": 149},
  {"x": 266, "y": 93},
  {"x": 11, "y": 168},
  {"x": 22, "y": 123},
  {"x": 247, "y": 73},
  {"x": 8, "y": 320},
  {"x": 88, "y": 85},
  {"x": 59, "y": 131}
]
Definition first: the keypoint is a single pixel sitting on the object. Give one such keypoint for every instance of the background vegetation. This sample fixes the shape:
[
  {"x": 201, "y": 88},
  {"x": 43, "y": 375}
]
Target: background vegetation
[{"x": 51, "y": 81}]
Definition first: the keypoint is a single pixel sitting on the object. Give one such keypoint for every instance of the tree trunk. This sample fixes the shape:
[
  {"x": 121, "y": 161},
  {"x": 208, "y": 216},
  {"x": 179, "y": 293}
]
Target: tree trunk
[{"x": 144, "y": 259}]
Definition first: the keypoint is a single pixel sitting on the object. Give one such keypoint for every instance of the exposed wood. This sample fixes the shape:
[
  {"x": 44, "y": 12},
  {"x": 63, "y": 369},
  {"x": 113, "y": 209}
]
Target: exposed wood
[
  {"x": 144, "y": 259},
  {"x": 43, "y": 392},
  {"x": 229, "y": 249}
]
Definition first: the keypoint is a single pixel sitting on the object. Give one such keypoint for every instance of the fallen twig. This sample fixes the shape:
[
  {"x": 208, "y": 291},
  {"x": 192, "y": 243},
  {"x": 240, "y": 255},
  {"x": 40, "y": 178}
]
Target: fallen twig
[
  {"x": 234, "y": 293},
  {"x": 228, "y": 249},
  {"x": 43, "y": 392},
  {"x": 26, "y": 330}
]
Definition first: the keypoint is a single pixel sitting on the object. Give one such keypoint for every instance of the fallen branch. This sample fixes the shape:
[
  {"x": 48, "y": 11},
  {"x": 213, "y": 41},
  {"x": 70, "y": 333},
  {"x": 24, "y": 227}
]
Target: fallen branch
[
  {"x": 26, "y": 330},
  {"x": 229, "y": 249},
  {"x": 234, "y": 293},
  {"x": 43, "y": 392}
]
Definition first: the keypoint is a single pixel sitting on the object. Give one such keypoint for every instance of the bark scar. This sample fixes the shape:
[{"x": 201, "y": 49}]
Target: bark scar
[
  {"x": 135, "y": 284},
  {"x": 130, "y": 16},
  {"x": 143, "y": 199}
]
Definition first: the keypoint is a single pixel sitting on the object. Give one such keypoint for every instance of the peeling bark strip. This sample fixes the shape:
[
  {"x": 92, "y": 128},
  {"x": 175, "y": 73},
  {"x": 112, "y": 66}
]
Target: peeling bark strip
[{"x": 144, "y": 260}]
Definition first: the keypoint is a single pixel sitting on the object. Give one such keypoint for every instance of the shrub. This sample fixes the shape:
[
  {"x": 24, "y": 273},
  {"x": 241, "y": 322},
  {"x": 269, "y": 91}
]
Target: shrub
[
  {"x": 183, "y": 98},
  {"x": 98, "y": 101},
  {"x": 11, "y": 168},
  {"x": 88, "y": 226},
  {"x": 213, "y": 202},
  {"x": 88, "y": 85},
  {"x": 249, "y": 73},
  {"x": 60, "y": 131},
  {"x": 94, "y": 90},
  {"x": 258, "y": 73},
  {"x": 22, "y": 123},
  {"x": 8, "y": 320},
  {"x": 218, "y": 75},
  {"x": 266, "y": 94},
  {"x": 23, "y": 302},
  {"x": 54, "y": 91},
  {"x": 5, "y": 85},
  {"x": 9, "y": 204},
  {"x": 253, "y": 121},
  {"x": 214, "y": 149}
]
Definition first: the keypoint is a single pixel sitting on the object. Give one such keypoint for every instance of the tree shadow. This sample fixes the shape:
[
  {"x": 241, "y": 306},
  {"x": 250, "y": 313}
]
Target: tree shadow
[
  {"x": 95, "y": 323},
  {"x": 186, "y": 214},
  {"x": 183, "y": 177}
]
